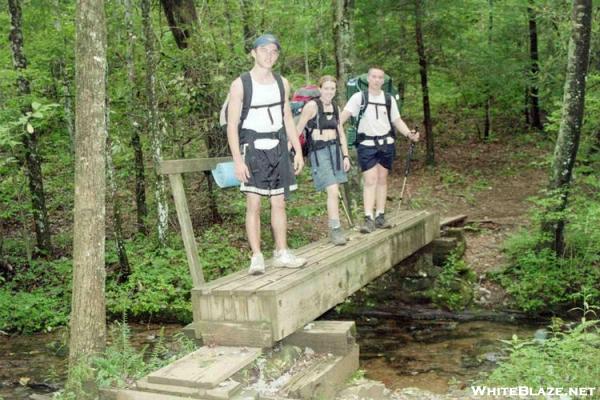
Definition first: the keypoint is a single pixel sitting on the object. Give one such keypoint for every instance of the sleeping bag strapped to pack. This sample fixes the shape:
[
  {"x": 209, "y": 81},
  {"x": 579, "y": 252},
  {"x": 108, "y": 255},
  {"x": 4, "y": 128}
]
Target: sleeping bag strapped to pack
[
  {"x": 299, "y": 100},
  {"x": 361, "y": 84}
]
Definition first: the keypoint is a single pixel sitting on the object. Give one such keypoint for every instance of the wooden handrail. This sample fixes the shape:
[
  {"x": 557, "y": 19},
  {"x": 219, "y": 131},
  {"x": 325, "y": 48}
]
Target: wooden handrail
[{"x": 169, "y": 167}]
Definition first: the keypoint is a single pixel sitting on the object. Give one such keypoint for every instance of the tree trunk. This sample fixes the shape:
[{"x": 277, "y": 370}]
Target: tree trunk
[
  {"x": 124, "y": 268},
  {"x": 33, "y": 165},
  {"x": 487, "y": 126},
  {"x": 154, "y": 123},
  {"x": 247, "y": 25},
  {"x": 136, "y": 144},
  {"x": 182, "y": 18},
  {"x": 342, "y": 36},
  {"x": 430, "y": 157},
  {"x": 526, "y": 108},
  {"x": 88, "y": 312},
  {"x": 567, "y": 143},
  {"x": 230, "y": 39},
  {"x": 343, "y": 11},
  {"x": 63, "y": 79},
  {"x": 535, "y": 119}
]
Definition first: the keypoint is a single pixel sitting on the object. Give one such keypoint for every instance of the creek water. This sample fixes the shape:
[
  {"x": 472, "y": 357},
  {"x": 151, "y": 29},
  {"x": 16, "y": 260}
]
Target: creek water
[
  {"x": 431, "y": 355},
  {"x": 434, "y": 355}
]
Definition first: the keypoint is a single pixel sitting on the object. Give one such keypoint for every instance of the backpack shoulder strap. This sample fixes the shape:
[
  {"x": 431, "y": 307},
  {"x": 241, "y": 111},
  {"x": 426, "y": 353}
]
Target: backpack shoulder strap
[
  {"x": 281, "y": 90},
  {"x": 336, "y": 111},
  {"x": 363, "y": 106},
  {"x": 388, "y": 107},
  {"x": 247, "y": 98},
  {"x": 365, "y": 101},
  {"x": 320, "y": 109}
]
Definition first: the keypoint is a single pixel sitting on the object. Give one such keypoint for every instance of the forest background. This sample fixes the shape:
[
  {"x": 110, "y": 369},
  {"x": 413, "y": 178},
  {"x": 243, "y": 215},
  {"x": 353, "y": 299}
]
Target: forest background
[{"x": 466, "y": 71}]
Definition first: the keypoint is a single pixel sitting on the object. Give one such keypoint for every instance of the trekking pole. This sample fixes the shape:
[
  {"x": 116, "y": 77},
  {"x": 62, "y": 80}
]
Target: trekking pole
[
  {"x": 345, "y": 208},
  {"x": 411, "y": 150}
]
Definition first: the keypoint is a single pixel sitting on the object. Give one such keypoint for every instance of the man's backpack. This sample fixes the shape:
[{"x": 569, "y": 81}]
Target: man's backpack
[
  {"x": 299, "y": 100},
  {"x": 247, "y": 99},
  {"x": 360, "y": 84}
]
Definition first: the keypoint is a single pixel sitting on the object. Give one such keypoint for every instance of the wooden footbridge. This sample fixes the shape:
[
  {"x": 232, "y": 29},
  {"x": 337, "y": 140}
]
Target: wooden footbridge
[{"x": 249, "y": 312}]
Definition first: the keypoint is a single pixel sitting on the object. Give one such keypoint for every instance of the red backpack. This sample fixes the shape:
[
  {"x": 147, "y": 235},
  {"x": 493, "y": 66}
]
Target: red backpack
[{"x": 299, "y": 99}]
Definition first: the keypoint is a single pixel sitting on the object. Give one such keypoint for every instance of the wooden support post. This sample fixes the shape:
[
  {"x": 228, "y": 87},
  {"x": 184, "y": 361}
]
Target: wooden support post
[{"x": 187, "y": 232}]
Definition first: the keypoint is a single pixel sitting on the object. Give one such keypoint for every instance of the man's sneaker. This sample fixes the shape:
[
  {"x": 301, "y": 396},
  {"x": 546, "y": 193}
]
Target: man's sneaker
[
  {"x": 381, "y": 223},
  {"x": 336, "y": 235},
  {"x": 285, "y": 258},
  {"x": 257, "y": 265},
  {"x": 368, "y": 226}
]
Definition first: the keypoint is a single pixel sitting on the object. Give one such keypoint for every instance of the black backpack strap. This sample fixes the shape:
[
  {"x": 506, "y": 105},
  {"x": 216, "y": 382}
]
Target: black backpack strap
[
  {"x": 320, "y": 112},
  {"x": 363, "y": 106},
  {"x": 388, "y": 106},
  {"x": 247, "y": 98},
  {"x": 338, "y": 144},
  {"x": 281, "y": 91}
]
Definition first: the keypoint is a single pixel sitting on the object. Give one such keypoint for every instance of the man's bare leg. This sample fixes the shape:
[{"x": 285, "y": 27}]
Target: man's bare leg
[
  {"x": 369, "y": 190},
  {"x": 381, "y": 193},
  {"x": 253, "y": 221},
  {"x": 279, "y": 222}
]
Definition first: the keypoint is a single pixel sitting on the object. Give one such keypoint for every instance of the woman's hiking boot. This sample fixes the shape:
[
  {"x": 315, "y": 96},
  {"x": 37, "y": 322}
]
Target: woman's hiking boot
[
  {"x": 381, "y": 223},
  {"x": 368, "y": 226},
  {"x": 336, "y": 236}
]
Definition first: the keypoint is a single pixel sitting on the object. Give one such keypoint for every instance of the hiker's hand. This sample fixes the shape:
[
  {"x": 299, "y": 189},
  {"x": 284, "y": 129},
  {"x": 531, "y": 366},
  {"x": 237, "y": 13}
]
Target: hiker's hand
[
  {"x": 414, "y": 136},
  {"x": 298, "y": 163},
  {"x": 241, "y": 171},
  {"x": 347, "y": 164}
]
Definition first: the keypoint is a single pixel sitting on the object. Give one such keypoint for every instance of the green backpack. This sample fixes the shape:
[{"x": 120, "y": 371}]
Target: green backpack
[{"x": 358, "y": 84}]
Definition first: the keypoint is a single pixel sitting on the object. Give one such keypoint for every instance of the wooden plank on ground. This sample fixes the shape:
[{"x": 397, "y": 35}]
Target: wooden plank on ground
[
  {"x": 252, "y": 333},
  {"x": 335, "y": 337},
  {"x": 457, "y": 220},
  {"x": 205, "y": 368},
  {"x": 224, "y": 391},
  {"x": 128, "y": 394},
  {"x": 145, "y": 386},
  {"x": 324, "y": 379},
  {"x": 168, "y": 167}
]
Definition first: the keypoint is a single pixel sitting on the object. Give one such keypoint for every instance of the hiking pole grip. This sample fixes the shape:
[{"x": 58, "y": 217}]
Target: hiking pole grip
[{"x": 411, "y": 150}]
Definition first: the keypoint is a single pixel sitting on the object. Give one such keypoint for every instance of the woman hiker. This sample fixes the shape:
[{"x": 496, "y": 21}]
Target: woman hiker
[{"x": 327, "y": 151}]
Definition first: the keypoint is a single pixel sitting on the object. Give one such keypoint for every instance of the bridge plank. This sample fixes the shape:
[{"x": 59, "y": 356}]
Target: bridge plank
[
  {"x": 363, "y": 243},
  {"x": 305, "y": 299}
]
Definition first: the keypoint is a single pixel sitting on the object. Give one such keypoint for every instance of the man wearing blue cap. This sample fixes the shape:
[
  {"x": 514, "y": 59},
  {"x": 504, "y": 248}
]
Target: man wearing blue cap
[{"x": 259, "y": 124}]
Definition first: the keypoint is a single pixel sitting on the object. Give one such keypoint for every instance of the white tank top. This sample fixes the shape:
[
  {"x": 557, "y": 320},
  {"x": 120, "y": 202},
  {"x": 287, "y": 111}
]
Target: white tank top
[{"x": 258, "y": 118}]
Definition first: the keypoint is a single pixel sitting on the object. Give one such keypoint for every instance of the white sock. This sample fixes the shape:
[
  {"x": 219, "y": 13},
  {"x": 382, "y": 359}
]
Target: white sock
[
  {"x": 334, "y": 223},
  {"x": 379, "y": 212}
]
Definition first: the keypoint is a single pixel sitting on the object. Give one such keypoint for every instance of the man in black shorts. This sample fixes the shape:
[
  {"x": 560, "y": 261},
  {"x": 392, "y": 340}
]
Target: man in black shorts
[
  {"x": 259, "y": 124},
  {"x": 375, "y": 145}
]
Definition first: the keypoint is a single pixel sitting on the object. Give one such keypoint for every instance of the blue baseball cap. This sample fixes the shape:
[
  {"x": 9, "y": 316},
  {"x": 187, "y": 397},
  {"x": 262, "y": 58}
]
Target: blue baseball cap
[{"x": 266, "y": 39}]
